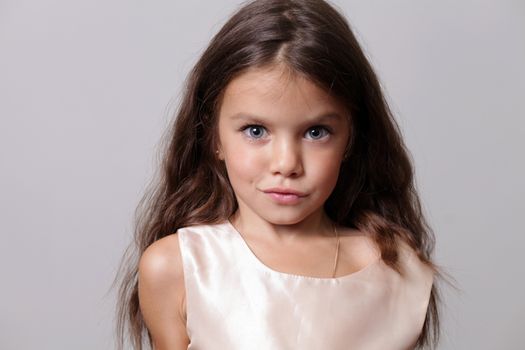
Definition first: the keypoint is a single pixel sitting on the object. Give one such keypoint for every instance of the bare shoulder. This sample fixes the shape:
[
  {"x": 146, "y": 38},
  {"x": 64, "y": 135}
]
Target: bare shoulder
[
  {"x": 162, "y": 293},
  {"x": 162, "y": 259}
]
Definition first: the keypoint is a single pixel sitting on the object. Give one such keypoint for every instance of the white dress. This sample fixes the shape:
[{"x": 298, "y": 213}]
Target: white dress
[{"x": 235, "y": 302}]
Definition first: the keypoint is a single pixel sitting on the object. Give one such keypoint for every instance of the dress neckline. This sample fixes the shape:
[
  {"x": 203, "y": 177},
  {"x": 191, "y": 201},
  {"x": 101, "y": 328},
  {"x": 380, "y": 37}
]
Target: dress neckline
[{"x": 249, "y": 252}]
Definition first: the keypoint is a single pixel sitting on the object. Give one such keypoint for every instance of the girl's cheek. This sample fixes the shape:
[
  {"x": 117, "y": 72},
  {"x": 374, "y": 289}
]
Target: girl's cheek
[
  {"x": 324, "y": 166},
  {"x": 245, "y": 163}
]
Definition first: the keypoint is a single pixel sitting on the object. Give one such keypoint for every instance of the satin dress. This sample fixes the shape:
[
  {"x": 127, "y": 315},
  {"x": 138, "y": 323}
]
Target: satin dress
[{"x": 236, "y": 302}]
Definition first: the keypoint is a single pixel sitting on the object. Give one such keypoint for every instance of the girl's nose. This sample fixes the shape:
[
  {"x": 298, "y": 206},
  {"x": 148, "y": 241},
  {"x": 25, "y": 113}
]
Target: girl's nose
[{"x": 286, "y": 158}]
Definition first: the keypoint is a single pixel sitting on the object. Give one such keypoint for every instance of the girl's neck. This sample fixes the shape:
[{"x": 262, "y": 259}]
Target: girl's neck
[{"x": 314, "y": 227}]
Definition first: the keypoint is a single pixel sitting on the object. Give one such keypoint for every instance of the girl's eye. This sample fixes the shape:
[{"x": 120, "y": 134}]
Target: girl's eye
[
  {"x": 253, "y": 131},
  {"x": 317, "y": 132},
  {"x": 258, "y": 131}
]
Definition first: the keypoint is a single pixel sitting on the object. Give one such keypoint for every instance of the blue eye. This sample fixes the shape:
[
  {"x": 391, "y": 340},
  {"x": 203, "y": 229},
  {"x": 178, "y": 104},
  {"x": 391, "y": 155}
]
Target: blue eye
[
  {"x": 254, "y": 131},
  {"x": 317, "y": 132}
]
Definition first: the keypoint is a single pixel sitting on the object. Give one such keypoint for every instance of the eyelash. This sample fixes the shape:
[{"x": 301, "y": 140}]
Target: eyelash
[{"x": 248, "y": 126}]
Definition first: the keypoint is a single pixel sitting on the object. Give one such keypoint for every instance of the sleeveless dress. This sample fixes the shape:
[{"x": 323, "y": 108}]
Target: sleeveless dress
[{"x": 236, "y": 302}]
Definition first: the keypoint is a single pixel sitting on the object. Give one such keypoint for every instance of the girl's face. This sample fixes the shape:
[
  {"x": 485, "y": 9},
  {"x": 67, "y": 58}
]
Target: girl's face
[{"x": 279, "y": 132}]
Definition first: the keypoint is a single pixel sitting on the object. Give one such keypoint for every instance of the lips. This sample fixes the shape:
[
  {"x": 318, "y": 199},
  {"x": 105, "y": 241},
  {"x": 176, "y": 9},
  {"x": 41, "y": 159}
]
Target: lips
[
  {"x": 284, "y": 191},
  {"x": 285, "y": 196}
]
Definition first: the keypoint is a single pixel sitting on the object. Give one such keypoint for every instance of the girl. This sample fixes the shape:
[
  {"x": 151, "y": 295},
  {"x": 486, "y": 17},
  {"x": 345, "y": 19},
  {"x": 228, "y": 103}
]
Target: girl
[{"x": 286, "y": 216}]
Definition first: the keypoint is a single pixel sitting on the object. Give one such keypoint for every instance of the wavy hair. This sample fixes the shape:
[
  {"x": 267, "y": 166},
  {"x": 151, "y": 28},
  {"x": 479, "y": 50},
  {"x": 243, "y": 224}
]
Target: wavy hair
[{"x": 375, "y": 191}]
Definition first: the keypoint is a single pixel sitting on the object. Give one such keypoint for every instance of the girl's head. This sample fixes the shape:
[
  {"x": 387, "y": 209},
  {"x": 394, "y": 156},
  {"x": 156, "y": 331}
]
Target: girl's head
[
  {"x": 295, "y": 68},
  {"x": 304, "y": 42}
]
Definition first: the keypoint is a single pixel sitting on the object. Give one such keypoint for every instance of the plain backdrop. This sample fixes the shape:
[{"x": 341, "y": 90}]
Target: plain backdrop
[{"x": 87, "y": 88}]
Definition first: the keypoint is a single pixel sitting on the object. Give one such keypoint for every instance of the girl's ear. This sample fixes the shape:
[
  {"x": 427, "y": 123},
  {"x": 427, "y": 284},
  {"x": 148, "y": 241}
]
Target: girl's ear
[
  {"x": 219, "y": 154},
  {"x": 345, "y": 156}
]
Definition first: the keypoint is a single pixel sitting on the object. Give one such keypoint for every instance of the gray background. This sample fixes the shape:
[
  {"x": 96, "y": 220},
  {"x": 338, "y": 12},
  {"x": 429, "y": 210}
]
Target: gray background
[{"x": 86, "y": 88}]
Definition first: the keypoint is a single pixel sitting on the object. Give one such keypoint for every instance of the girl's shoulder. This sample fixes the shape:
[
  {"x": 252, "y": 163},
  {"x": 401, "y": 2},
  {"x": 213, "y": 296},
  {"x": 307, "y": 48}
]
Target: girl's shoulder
[
  {"x": 360, "y": 244},
  {"x": 164, "y": 251},
  {"x": 161, "y": 290},
  {"x": 161, "y": 264},
  {"x": 415, "y": 272}
]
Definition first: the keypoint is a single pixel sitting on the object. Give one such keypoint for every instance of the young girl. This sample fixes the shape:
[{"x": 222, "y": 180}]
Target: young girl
[{"x": 286, "y": 216}]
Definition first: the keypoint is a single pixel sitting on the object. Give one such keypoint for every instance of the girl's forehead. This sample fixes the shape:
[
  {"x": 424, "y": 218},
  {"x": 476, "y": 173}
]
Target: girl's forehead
[{"x": 278, "y": 87}]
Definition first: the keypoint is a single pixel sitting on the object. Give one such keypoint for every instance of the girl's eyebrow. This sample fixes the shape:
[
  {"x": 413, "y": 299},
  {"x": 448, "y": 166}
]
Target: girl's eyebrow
[
  {"x": 248, "y": 118},
  {"x": 256, "y": 119}
]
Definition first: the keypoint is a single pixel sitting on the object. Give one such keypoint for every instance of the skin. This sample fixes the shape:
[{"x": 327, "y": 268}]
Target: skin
[{"x": 287, "y": 146}]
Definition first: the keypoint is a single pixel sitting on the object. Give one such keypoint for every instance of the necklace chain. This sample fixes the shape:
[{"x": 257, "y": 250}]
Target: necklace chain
[{"x": 336, "y": 251}]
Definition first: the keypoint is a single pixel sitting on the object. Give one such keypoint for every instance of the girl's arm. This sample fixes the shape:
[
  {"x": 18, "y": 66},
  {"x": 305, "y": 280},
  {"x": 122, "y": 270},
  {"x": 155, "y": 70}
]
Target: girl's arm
[{"x": 161, "y": 294}]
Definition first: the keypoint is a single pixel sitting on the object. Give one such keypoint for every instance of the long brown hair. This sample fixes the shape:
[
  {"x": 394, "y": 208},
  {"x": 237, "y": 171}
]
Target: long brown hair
[{"x": 375, "y": 191}]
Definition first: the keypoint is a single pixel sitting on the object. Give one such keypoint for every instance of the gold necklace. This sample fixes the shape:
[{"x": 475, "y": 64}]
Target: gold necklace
[{"x": 336, "y": 251}]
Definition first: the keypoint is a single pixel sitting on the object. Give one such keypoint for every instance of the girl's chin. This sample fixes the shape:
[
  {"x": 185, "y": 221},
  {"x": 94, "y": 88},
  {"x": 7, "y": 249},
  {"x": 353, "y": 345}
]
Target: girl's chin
[{"x": 280, "y": 218}]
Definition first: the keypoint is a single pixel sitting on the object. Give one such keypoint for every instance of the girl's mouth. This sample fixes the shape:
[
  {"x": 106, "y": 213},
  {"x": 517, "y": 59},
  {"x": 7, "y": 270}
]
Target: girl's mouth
[{"x": 284, "y": 198}]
